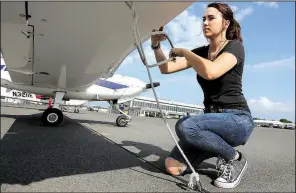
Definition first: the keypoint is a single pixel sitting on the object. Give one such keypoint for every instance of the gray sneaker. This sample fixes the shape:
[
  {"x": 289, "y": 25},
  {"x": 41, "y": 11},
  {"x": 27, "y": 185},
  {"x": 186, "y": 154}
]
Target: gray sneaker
[
  {"x": 231, "y": 173},
  {"x": 220, "y": 164}
]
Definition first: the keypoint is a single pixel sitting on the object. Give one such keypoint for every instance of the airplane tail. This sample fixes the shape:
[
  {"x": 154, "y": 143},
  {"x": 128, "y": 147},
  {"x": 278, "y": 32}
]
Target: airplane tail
[{"x": 4, "y": 72}]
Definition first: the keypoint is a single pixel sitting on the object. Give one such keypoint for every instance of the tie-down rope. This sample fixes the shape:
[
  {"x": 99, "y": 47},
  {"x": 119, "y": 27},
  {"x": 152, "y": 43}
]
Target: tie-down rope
[{"x": 194, "y": 177}]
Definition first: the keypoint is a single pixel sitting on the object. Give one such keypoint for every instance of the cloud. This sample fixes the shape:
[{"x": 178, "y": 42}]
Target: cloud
[
  {"x": 182, "y": 79},
  {"x": 203, "y": 6},
  {"x": 234, "y": 8},
  {"x": 128, "y": 60},
  {"x": 263, "y": 106},
  {"x": 239, "y": 14},
  {"x": 268, "y": 4},
  {"x": 184, "y": 31},
  {"x": 286, "y": 62},
  {"x": 134, "y": 57},
  {"x": 243, "y": 13}
]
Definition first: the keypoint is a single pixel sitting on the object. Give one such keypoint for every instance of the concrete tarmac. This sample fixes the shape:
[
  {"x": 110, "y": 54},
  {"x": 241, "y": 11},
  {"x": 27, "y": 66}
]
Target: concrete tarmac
[{"x": 89, "y": 153}]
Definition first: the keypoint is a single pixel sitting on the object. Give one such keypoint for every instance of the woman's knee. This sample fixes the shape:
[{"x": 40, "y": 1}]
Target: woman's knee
[
  {"x": 188, "y": 128},
  {"x": 181, "y": 128}
]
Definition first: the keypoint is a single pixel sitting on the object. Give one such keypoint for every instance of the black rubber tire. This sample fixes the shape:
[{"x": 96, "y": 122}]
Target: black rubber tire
[
  {"x": 53, "y": 111},
  {"x": 121, "y": 121}
]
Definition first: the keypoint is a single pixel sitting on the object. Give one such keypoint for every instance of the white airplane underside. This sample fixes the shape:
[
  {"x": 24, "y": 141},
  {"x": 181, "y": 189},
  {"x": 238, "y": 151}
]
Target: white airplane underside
[{"x": 65, "y": 49}]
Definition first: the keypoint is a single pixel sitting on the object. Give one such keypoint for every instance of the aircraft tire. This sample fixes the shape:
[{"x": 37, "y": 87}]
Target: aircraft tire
[
  {"x": 52, "y": 117},
  {"x": 121, "y": 121}
]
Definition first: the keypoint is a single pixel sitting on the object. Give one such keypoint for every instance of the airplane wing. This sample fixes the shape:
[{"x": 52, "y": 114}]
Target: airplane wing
[{"x": 71, "y": 44}]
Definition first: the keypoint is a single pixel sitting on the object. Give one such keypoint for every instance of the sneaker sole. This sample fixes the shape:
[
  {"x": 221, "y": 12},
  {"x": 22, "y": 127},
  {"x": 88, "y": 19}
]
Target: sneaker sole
[{"x": 233, "y": 184}]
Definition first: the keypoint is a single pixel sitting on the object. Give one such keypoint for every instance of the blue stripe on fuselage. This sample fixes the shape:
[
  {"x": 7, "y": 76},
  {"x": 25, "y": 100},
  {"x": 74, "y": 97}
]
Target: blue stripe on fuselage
[
  {"x": 3, "y": 67},
  {"x": 109, "y": 84}
]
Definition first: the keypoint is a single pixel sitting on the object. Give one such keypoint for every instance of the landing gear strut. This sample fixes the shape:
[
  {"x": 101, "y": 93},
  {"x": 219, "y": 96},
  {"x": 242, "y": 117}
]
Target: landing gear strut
[
  {"x": 122, "y": 120},
  {"x": 53, "y": 116}
]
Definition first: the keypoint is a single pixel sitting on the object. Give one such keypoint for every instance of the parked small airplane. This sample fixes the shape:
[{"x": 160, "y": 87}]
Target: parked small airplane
[
  {"x": 125, "y": 88},
  {"x": 70, "y": 50}
]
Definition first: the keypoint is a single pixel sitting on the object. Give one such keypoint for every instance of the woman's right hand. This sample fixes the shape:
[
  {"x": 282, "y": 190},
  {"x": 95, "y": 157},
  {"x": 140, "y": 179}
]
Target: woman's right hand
[{"x": 155, "y": 39}]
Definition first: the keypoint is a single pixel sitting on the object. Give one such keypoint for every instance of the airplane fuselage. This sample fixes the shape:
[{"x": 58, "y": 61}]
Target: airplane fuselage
[{"x": 94, "y": 92}]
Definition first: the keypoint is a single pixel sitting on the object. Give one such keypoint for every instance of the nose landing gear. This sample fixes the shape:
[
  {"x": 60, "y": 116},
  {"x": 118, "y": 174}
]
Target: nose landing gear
[{"x": 122, "y": 120}]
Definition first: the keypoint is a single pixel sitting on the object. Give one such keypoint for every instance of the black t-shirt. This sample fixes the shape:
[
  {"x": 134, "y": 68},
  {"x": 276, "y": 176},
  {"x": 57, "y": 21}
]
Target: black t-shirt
[{"x": 225, "y": 91}]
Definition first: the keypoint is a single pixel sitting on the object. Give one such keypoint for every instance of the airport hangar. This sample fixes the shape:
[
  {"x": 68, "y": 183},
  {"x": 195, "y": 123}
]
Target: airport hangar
[{"x": 145, "y": 106}]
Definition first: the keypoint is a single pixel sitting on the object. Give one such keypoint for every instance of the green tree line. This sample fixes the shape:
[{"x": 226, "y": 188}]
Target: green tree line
[{"x": 281, "y": 120}]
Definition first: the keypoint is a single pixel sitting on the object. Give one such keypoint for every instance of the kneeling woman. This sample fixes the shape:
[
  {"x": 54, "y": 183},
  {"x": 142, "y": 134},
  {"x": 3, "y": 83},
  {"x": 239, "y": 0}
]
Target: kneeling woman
[{"x": 227, "y": 122}]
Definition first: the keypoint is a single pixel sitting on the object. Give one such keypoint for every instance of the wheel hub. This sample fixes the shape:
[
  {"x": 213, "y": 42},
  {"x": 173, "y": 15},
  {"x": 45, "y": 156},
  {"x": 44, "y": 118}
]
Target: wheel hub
[
  {"x": 122, "y": 121},
  {"x": 52, "y": 117}
]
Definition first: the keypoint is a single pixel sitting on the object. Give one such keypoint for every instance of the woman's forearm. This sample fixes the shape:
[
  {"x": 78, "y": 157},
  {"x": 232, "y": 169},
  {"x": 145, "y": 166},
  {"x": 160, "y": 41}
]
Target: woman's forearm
[{"x": 159, "y": 56}]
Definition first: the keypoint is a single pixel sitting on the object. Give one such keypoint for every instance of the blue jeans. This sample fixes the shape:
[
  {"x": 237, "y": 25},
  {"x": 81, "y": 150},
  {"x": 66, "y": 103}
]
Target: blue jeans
[{"x": 212, "y": 134}]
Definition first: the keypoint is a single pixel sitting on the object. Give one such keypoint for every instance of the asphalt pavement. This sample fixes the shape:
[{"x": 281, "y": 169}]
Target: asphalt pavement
[{"x": 89, "y": 153}]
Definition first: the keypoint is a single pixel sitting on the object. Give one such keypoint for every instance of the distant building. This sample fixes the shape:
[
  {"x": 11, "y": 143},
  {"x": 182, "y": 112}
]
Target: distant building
[{"x": 144, "y": 106}]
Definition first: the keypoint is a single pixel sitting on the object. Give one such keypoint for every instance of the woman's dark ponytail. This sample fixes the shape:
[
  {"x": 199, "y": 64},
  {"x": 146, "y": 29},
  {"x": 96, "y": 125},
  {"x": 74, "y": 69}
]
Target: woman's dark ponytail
[{"x": 234, "y": 31}]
